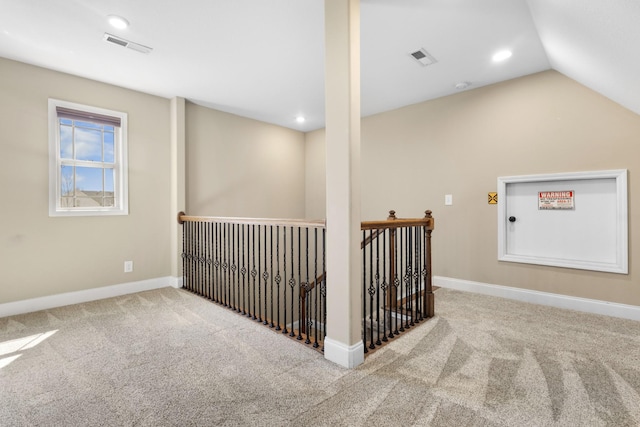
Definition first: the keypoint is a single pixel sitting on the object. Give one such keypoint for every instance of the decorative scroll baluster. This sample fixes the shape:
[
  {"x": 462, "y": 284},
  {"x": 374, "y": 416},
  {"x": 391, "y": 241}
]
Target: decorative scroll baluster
[
  {"x": 316, "y": 286},
  {"x": 277, "y": 279},
  {"x": 393, "y": 274},
  {"x": 372, "y": 294},
  {"x": 384, "y": 287},
  {"x": 364, "y": 292},
  {"x": 259, "y": 276},
  {"x": 192, "y": 266},
  {"x": 323, "y": 288},
  {"x": 271, "y": 325},
  {"x": 265, "y": 277},
  {"x": 234, "y": 268},
  {"x": 307, "y": 288},
  {"x": 378, "y": 342},
  {"x": 284, "y": 272},
  {"x": 292, "y": 284},
  {"x": 300, "y": 320},
  {"x": 416, "y": 273},
  {"x": 254, "y": 272},
  {"x": 409, "y": 279},
  {"x": 243, "y": 272}
]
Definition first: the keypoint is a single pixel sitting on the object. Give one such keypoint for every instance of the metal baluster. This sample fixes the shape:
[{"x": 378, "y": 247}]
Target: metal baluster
[
  {"x": 194, "y": 258},
  {"x": 278, "y": 277},
  {"x": 407, "y": 275},
  {"x": 225, "y": 264},
  {"x": 196, "y": 253},
  {"x": 378, "y": 342},
  {"x": 423, "y": 273},
  {"x": 401, "y": 269},
  {"x": 271, "y": 325},
  {"x": 243, "y": 271},
  {"x": 214, "y": 261},
  {"x": 300, "y": 320},
  {"x": 234, "y": 268},
  {"x": 292, "y": 284},
  {"x": 187, "y": 249},
  {"x": 393, "y": 275},
  {"x": 323, "y": 289},
  {"x": 191, "y": 266},
  {"x": 384, "y": 287},
  {"x": 410, "y": 269},
  {"x": 316, "y": 286},
  {"x": 265, "y": 277},
  {"x": 259, "y": 278},
  {"x": 184, "y": 256},
  {"x": 284, "y": 272},
  {"x": 254, "y": 273},
  {"x": 371, "y": 290},
  {"x": 307, "y": 312},
  {"x": 208, "y": 256},
  {"x": 200, "y": 258},
  {"x": 416, "y": 274},
  {"x": 221, "y": 240},
  {"x": 364, "y": 293}
]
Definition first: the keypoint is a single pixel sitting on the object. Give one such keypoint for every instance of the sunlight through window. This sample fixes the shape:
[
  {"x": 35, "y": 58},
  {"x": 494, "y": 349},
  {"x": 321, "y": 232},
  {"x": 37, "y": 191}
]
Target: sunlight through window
[{"x": 21, "y": 344}]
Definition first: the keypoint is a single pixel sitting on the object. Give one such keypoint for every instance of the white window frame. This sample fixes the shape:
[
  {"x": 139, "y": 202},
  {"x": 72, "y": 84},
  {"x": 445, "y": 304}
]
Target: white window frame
[{"x": 121, "y": 187}]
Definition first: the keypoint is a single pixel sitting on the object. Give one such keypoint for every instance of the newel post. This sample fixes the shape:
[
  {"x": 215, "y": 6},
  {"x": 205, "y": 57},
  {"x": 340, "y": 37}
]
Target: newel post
[{"x": 429, "y": 302}]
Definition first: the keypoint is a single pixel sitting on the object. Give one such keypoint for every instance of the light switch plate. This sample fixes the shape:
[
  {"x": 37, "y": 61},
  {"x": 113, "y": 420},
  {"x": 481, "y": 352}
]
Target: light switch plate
[{"x": 448, "y": 199}]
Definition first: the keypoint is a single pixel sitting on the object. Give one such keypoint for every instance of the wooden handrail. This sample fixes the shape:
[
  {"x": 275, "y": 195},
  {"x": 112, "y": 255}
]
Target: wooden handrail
[
  {"x": 320, "y": 223},
  {"x": 393, "y": 222},
  {"x": 373, "y": 236}
]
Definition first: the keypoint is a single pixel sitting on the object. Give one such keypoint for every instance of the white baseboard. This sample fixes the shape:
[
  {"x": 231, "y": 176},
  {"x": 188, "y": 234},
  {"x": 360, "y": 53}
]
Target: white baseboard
[
  {"x": 586, "y": 305},
  {"x": 342, "y": 354},
  {"x": 177, "y": 282},
  {"x": 68, "y": 298}
]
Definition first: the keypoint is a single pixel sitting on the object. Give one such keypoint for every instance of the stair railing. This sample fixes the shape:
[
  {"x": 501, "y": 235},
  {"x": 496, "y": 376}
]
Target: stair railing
[
  {"x": 270, "y": 270},
  {"x": 397, "y": 291},
  {"x": 274, "y": 272}
]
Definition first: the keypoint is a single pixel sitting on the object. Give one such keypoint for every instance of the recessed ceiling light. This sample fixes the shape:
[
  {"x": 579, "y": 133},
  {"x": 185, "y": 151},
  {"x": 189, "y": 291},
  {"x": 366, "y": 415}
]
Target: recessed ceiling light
[
  {"x": 502, "y": 55},
  {"x": 300, "y": 119},
  {"x": 462, "y": 85},
  {"x": 118, "y": 22}
]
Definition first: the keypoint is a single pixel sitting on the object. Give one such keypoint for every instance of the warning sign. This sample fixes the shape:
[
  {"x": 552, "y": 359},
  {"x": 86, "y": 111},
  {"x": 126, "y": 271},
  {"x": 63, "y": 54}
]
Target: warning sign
[{"x": 555, "y": 200}]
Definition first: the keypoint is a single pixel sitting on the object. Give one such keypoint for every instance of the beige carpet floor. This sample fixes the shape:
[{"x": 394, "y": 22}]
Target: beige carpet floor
[{"x": 170, "y": 358}]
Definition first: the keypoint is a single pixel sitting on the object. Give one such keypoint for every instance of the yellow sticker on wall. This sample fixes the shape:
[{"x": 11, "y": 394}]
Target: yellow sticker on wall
[{"x": 493, "y": 198}]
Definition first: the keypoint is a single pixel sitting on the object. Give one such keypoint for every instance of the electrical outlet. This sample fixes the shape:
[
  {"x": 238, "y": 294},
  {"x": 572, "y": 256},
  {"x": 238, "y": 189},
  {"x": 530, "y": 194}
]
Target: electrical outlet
[
  {"x": 128, "y": 266},
  {"x": 448, "y": 199}
]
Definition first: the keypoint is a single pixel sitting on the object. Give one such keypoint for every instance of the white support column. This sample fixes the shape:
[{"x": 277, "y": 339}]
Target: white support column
[
  {"x": 343, "y": 344},
  {"x": 178, "y": 186}
]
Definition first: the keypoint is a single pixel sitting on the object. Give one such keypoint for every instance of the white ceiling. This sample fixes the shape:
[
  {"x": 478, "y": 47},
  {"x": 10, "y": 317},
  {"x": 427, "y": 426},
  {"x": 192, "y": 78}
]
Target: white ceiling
[{"x": 263, "y": 59}]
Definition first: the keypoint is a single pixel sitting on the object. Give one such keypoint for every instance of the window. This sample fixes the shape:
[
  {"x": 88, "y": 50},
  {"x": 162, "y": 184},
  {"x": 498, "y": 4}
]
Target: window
[{"x": 87, "y": 160}]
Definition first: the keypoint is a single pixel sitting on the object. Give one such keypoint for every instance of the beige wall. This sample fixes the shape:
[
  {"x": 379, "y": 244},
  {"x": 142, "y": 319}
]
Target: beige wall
[
  {"x": 42, "y": 256},
  {"x": 315, "y": 183},
  {"x": 242, "y": 167},
  {"x": 459, "y": 145}
]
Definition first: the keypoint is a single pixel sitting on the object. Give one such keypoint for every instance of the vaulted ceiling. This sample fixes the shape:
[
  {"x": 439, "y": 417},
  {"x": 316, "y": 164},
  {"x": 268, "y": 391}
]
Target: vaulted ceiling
[{"x": 263, "y": 59}]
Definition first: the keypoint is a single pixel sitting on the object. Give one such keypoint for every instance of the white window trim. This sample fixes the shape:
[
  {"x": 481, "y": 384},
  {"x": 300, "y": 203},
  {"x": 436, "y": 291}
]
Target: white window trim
[{"x": 121, "y": 183}]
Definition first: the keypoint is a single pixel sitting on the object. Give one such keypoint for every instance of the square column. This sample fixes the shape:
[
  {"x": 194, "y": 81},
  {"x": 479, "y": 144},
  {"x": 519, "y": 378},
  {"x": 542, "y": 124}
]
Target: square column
[{"x": 343, "y": 343}]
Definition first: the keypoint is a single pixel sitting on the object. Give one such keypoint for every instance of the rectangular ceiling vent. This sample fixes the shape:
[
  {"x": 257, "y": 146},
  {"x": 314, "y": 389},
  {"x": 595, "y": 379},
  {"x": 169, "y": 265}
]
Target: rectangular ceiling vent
[
  {"x": 423, "y": 57},
  {"x": 110, "y": 38}
]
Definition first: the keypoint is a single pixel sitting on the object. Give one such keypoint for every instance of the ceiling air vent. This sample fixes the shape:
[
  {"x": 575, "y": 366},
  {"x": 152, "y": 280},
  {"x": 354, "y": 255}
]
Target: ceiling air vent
[
  {"x": 110, "y": 38},
  {"x": 423, "y": 57}
]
